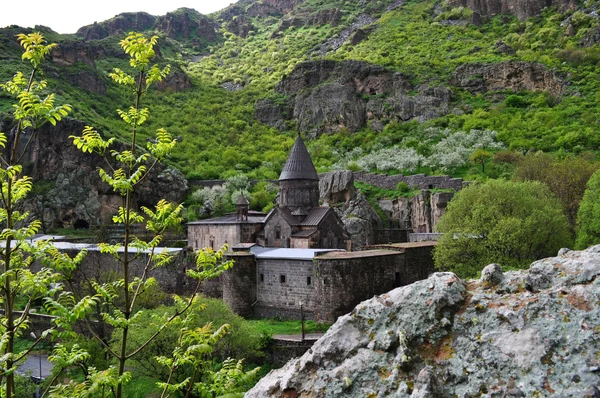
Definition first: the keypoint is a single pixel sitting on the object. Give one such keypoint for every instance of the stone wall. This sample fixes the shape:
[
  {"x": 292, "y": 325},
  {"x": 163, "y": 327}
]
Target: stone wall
[
  {"x": 280, "y": 351},
  {"x": 239, "y": 283},
  {"x": 277, "y": 223},
  {"x": 418, "y": 180},
  {"x": 344, "y": 280},
  {"x": 281, "y": 285},
  {"x": 212, "y": 235},
  {"x": 216, "y": 235},
  {"x": 171, "y": 277},
  {"x": 389, "y": 235}
]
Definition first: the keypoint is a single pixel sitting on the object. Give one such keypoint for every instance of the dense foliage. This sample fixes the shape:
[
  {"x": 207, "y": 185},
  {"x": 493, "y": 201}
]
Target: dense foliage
[
  {"x": 220, "y": 134},
  {"x": 505, "y": 222},
  {"x": 588, "y": 218}
]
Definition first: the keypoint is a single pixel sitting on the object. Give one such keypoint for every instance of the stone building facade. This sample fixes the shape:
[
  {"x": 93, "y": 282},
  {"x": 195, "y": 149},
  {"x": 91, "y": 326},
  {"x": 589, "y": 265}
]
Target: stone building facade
[
  {"x": 297, "y": 221},
  {"x": 268, "y": 282}
]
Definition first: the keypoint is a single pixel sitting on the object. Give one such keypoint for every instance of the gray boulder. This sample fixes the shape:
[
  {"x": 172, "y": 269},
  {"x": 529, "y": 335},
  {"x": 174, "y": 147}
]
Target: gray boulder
[{"x": 530, "y": 333}]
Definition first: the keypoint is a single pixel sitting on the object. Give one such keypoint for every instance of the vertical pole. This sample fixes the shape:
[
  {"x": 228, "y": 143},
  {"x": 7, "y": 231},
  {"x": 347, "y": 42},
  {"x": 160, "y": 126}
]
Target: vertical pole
[
  {"x": 302, "y": 319},
  {"x": 37, "y": 391}
]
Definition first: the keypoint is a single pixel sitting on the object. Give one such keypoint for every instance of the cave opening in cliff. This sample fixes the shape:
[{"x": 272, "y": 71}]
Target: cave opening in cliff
[{"x": 81, "y": 224}]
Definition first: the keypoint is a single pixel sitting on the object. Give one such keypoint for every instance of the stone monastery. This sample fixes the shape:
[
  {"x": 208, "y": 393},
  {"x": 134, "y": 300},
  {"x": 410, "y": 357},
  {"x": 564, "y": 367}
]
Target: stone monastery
[
  {"x": 298, "y": 221},
  {"x": 299, "y": 255}
]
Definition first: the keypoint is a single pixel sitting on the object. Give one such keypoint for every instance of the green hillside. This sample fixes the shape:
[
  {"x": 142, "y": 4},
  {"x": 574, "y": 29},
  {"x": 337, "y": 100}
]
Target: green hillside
[{"x": 426, "y": 41}]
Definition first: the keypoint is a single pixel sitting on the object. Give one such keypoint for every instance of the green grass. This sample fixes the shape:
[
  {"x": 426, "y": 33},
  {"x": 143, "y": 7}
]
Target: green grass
[
  {"x": 273, "y": 326},
  {"x": 141, "y": 387}
]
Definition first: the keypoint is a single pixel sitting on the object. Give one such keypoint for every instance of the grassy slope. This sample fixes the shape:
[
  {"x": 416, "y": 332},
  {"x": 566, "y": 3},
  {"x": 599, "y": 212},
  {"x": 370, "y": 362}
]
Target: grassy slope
[{"x": 221, "y": 137}]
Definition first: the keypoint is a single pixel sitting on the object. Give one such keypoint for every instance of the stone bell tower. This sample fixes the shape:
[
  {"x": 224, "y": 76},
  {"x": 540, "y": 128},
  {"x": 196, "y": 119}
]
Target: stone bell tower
[{"x": 299, "y": 182}]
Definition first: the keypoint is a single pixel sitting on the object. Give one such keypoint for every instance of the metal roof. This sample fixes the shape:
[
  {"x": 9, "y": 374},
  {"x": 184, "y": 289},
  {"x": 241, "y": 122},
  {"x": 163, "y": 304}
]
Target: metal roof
[
  {"x": 287, "y": 254},
  {"x": 95, "y": 247},
  {"x": 299, "y": 165}
]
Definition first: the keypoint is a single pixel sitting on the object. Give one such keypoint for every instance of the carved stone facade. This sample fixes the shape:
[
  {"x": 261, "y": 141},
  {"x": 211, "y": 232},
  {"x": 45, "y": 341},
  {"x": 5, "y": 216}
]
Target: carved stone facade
[{"x": 296, "y": 222}]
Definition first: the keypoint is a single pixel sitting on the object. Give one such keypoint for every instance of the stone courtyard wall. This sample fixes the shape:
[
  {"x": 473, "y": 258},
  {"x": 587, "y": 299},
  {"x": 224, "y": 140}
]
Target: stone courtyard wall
[{"x": 418, "y": 180}]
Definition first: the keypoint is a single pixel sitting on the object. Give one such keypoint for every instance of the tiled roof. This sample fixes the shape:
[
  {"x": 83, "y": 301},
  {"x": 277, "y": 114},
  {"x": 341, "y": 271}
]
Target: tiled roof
[
  {"x": 304, "y": 234},
  {"x": 287, "y": 216},
  {"x": 315, "y": 216},
  {"x": 299, "y": 165},
  {"x": 253, "y": 218}
]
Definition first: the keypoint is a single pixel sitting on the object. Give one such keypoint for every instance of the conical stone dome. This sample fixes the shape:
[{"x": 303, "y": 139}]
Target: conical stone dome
[
  {"x": 299, "y": 181},
  {"x": 299, "y": 165}
]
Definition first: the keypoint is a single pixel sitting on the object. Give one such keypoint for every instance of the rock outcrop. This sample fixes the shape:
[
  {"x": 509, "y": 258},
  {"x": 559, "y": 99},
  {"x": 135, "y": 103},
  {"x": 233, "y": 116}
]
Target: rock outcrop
[
  {"x": 240, "y": 26},
  {"x": 360, "y": 220},
  {"x": 67, "y": 188},
  {"x": 421, "y": 213},
  {"x": 267, "y": 8},
  {"x": 519, "y": 333},
  {"x": 184, "y": 23},
  {"x": 122, "y": 23},
  {"x": 520, "y": 8},
  {"x": 327, "y": 96},
  {"x": 509, "y": 75}
]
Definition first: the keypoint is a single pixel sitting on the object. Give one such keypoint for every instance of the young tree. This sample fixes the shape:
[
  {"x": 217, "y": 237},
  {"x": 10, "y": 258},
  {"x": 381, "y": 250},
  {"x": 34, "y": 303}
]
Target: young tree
[
  {"x": 126, "y": 169},
  {"x": 511, "y": 223},
  {"x": 480, "y": 156},
  {"x": 17, "y": 280},
  {"x": 565, "y": 177},
  {"x": 588, "y": 218}
]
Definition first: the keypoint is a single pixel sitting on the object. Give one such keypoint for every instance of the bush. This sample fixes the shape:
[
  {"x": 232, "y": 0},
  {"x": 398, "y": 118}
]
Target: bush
[
  {"x": 240, "y": 343},
  {"x": 588, "y": 217},
  {"x": 511, "y": 223}
]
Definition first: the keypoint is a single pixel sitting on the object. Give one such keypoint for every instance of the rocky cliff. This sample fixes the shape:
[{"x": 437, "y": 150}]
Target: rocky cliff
[
  {"x": 360, "y": 220},
  {"x": 182, "y": 24},
  {"x": 67, "y": 188},
  {"x": 522, "y": 9},
  {"x": 327, "y": 96},
  {"x": 512, "y": 75},
  {"x": 527, "y": 333},
  {"x": 421, "y": 213}
]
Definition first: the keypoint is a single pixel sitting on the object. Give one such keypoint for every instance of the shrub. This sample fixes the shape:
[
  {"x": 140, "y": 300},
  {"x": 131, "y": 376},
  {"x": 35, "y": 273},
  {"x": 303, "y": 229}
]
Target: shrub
[{"x": 511, "y": 223}]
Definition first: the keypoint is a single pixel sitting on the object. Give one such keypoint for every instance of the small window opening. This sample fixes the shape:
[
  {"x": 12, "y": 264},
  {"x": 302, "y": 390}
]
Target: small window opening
[
  {"x": 397, "y": 279},
  {"x": 308, "y": 281},
  {"x": 262, "y": 277},
  {"x": 277, "y": 232},
  {"x": 282, "y": 278}
]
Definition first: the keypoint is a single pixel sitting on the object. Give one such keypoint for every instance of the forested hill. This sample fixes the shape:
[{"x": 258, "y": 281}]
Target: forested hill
[{"x": 384, "y": 85}]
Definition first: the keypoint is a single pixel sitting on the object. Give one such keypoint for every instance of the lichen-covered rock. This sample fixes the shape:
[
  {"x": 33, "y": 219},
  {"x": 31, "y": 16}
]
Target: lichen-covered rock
[
  {"x": 509, "y": 75},
  {"x": 530, "y": 333}
]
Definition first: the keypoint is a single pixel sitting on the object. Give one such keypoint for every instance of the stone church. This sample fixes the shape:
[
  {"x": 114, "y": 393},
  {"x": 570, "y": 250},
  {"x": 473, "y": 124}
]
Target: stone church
[{"x": 297, "y": 221}]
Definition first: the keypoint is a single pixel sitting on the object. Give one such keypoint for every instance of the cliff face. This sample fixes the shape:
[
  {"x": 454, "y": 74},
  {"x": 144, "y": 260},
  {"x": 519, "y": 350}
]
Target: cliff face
[
  {"x": 183, "y": 24},
  {"x": 122, "y": 23},
  {"x": 522, "y": 9},
  {"x": 329, "y": 96},
  {"x": 514, "y": 334},
  {"x": 512, "y": 75},
  {"x": 67, "y": 187}
]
